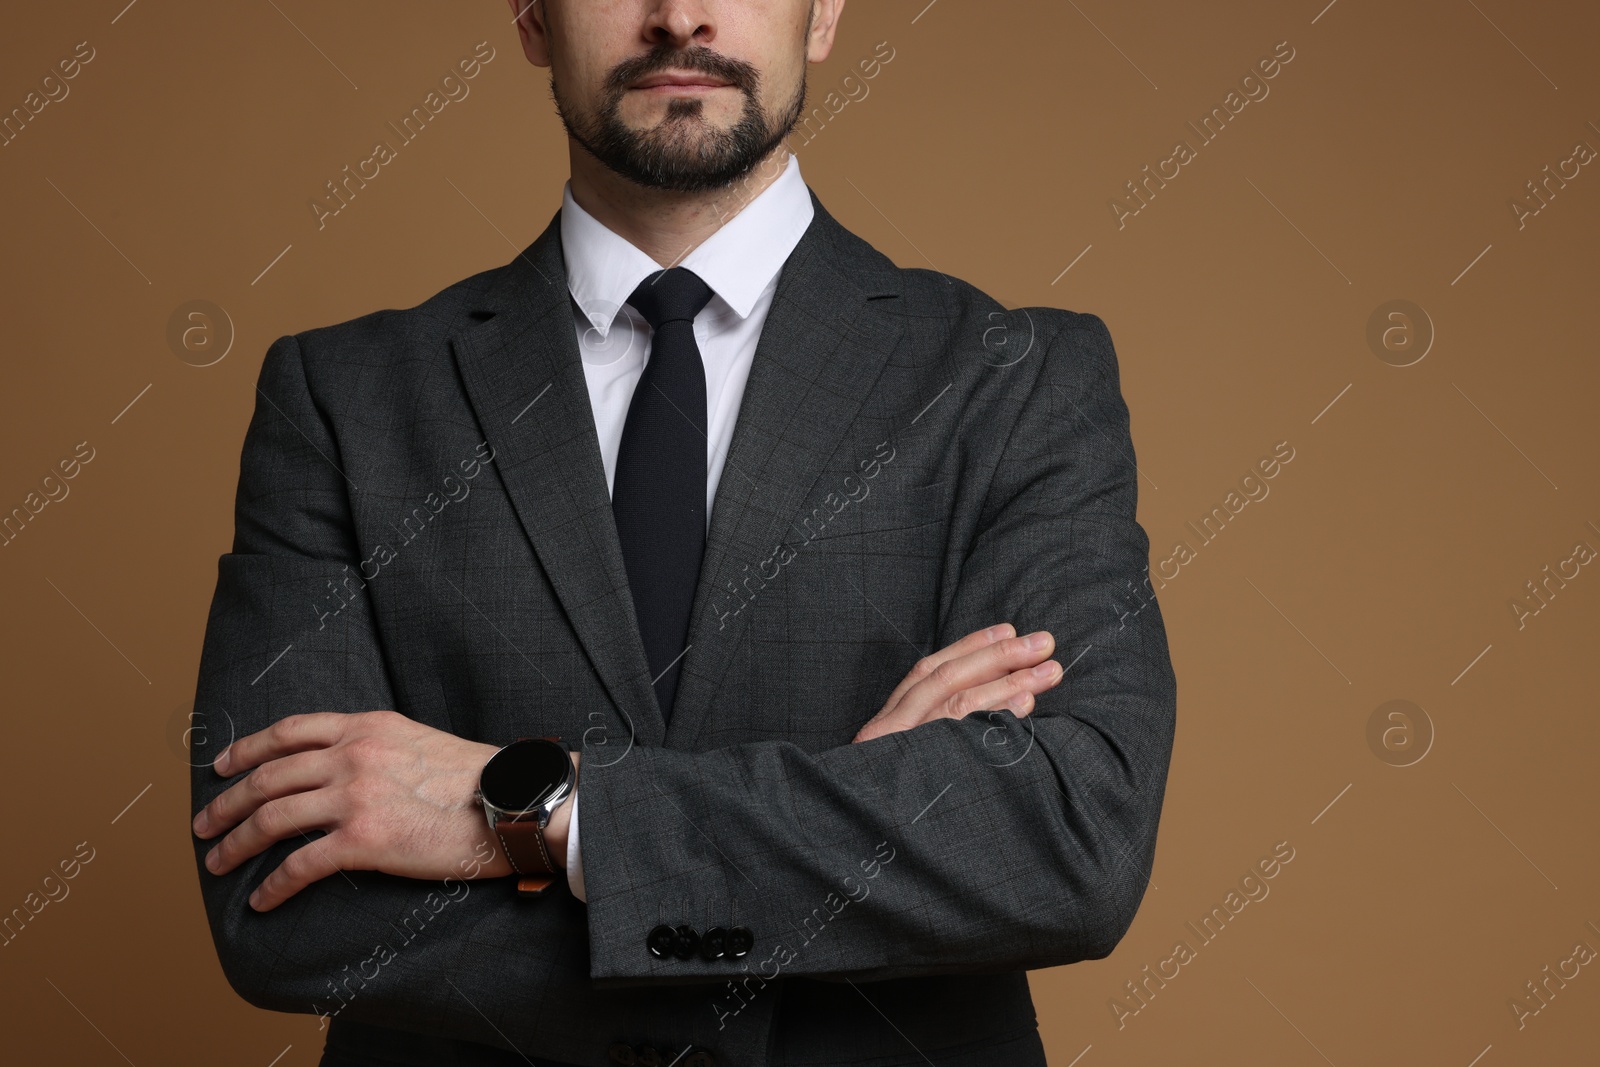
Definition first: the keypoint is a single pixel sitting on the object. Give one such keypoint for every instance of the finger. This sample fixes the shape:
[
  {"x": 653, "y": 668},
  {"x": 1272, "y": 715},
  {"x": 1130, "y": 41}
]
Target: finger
[
  {"x": 955, "y": 676},
  {"x": 927, "y": 669},
  {"x": 296, "y": 773},
  {"x": 1014, "y": 693},
  {"x": 309, "y": 863},
  {"x": 980, "y": 667},
  {"x": 966, "y": 645},
  {"x": 292, "y": 733},
  {"x": 273, "y": 821}
]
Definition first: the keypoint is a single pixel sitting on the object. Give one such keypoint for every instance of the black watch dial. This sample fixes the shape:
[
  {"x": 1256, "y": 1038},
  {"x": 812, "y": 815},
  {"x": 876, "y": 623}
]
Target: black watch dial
[{"x": 524, "y": 774}]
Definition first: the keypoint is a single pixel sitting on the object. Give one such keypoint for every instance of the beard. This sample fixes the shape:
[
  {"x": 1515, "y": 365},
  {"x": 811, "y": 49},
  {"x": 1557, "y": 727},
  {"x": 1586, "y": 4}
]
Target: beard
[{"x": 683, "y": 152}]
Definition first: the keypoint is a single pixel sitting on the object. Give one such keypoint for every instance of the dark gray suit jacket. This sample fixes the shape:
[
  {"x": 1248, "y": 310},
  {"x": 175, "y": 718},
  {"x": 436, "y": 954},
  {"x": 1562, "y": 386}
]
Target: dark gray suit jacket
[{"x": 423, "y": 524}]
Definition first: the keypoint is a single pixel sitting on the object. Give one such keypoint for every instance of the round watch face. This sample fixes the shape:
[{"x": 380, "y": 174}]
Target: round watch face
[{"x": 524, "y": 774}]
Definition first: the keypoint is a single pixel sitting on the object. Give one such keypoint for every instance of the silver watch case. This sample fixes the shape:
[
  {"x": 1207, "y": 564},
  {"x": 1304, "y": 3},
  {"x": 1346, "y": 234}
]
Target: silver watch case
[{"x": 493, "y": 813}]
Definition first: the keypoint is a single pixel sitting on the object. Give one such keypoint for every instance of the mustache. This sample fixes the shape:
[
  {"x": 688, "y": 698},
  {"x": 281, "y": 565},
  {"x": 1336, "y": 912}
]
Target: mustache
[{"x": 698, "y": 60}]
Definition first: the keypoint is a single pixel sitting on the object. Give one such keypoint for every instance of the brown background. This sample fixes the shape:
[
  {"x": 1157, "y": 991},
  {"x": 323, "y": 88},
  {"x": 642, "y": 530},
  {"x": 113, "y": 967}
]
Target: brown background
[{"x": 1381, "y": 566}]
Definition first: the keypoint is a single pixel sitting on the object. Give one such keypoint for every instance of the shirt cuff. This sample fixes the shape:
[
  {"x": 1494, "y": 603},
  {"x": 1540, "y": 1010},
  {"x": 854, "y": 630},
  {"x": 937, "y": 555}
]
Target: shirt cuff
[{"x": 574, "y": 856}]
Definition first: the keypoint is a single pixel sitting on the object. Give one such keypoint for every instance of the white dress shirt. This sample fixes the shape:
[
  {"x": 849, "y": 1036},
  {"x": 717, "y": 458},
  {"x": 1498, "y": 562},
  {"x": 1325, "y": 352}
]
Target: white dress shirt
[{"x": 741, "y": 263}]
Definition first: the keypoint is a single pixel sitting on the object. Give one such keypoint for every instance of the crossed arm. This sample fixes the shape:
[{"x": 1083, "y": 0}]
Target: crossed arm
[
  {"x": 999, "y": 864},
  {"x": 397, "y": 796}
]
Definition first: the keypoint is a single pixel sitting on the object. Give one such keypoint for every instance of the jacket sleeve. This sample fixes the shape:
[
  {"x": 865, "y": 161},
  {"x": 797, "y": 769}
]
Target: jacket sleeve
[
  {"x": 363, "y": 945},
  {"x": 964, "y": 845}
]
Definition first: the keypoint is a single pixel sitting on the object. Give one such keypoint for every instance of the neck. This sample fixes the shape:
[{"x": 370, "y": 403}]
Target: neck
[{"x": 664, "y": 224}]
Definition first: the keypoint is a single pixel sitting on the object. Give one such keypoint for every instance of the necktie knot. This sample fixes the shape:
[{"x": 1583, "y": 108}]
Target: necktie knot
[{"x": 671, "y": 295}]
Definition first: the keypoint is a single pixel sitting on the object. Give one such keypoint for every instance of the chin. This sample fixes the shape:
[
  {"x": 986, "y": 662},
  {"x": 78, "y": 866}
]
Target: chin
[{"x": 684, "y": 137}]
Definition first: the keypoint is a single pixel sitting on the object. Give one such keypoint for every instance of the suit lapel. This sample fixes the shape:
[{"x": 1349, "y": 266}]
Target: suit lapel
[
  {"x": 821, "y": 349},
  {"x": 524, "y": 379}
]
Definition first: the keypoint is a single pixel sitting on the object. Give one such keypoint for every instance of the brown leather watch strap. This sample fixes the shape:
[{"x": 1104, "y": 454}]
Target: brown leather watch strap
[
  {"x": 523, "y": 843},
  {"x": 524, "y": 846}
]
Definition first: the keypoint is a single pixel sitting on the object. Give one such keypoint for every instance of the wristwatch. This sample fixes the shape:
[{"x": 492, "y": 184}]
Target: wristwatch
[{"x": 519, "y": 787}]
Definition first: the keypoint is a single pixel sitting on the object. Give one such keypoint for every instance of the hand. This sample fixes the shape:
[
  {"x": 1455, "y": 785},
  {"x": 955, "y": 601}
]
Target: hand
[
  {"x": 393, "y": 795},
  {"x": 986, "y": 670}
]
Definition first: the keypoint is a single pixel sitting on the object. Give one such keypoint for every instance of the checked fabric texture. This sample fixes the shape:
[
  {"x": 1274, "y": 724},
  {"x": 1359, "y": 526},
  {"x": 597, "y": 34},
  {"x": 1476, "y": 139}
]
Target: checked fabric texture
[{"x": 896, "y": 480}]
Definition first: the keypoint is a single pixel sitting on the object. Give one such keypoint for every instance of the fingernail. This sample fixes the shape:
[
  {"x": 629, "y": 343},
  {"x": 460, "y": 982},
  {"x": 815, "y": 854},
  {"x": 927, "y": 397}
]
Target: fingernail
[
  {"x": 1021, "y": 702},
  {"x": 213, "y": 861},
  {"x": 255, "y": 898},
  {"x": 1000, "y": 632},
  {"x": 1046, "y": 669},
  {"x": 201, "y": 823},
  {"x": 1037, "y": 640},
  {"x": 221, "y": 764}
]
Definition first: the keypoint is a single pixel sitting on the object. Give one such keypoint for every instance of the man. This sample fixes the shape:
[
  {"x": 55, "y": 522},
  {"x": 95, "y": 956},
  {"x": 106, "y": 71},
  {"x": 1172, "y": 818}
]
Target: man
[{"x": 779, "y": 538}]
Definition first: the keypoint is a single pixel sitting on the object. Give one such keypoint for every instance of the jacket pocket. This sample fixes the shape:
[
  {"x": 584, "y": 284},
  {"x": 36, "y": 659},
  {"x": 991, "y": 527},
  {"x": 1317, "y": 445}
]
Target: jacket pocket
[{"x": 886, "y": 511}]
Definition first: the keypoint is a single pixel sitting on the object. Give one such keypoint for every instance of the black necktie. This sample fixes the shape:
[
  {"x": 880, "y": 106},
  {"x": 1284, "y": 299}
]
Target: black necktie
[{"x": 658, "y": 492}]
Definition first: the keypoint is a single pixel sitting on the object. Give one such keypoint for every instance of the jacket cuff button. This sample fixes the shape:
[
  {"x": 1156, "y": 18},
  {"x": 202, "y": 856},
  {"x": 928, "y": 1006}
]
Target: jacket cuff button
[
  {"x": 687, "y": 942},
  {"x": 661, "y": 941},
  {"x": 713, "y": 943}
]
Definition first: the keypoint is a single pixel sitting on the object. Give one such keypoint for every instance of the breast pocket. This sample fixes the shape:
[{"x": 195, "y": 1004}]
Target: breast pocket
[{"x": 885, "y": 514}]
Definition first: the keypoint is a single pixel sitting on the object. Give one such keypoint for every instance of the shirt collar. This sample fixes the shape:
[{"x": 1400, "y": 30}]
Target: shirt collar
[{"x": 739, "y": 261}]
